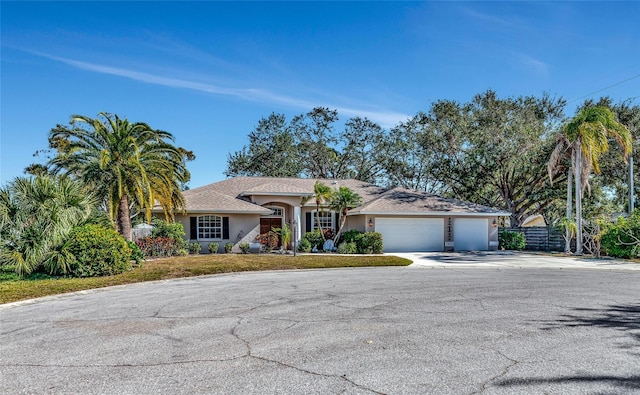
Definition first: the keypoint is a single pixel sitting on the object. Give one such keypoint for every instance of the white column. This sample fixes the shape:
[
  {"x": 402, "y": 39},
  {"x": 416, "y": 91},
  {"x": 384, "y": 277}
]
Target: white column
[{"x": 296, "y": 218}]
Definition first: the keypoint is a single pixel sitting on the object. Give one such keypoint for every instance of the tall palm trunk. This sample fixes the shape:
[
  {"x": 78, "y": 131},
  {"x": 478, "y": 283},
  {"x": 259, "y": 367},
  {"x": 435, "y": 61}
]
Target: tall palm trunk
[
  {"x": 124, "y": 218},
  {"x": 578, "y": 171},
  {"x": 568, "y": 231}
]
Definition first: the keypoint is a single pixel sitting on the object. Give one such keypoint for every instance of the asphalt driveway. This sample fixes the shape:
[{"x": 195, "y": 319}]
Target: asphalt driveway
[{"x": 400, "y": 330}]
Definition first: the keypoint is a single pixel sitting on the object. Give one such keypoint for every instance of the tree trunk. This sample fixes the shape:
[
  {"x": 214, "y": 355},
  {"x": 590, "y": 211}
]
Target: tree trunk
[
  {"x": 343, "y": 220},
  {"x": 578, "y": 175},
  {"x": 124, "y": 218},
  {"x": 567, "y": 246}
]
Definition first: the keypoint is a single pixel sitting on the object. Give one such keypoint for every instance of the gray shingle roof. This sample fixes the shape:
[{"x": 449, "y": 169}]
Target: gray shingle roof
[
  {"x": 402, "y": 201},
  {"x": 227, "y": 196}
]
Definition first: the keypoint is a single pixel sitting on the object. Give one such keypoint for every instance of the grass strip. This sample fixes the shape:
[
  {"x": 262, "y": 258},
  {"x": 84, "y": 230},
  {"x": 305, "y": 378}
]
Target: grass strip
[{"x": 194, "y": 265}]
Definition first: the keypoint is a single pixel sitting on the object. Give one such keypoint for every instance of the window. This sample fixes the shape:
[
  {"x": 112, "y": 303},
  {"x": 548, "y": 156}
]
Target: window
[
  {"x": 277, "y": 211},
  {"x": 209, "y": 227},
  {"x": 325, "y": 219}
]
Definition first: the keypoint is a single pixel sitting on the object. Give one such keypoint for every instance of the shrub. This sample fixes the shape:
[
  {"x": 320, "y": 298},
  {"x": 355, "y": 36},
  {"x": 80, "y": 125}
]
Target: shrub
[
  {"x": 347, "y": 248},
  {"x": 160, "y": 246},
  {"x": 351, "y": 236},
  {"x": 98, "y": 251},
  {"x": 315, "y": 238},
  {"x": 228, "y": 247},
  {"x": 370, "y": 243},
  {"x": 213, "y": 248},
  {"x": 181, "y": 252},
  {"x": 622, "y": 239},
  {"x": 194, "y": 247},
  {"x": 136, "y": 252},
  {"x": 512, "y": 240},
  {"x": 304, "y": 245},
  {"x": 244, "y": 247},
  {"x": 161, "y": 228},
  {"x": 268, "y": 240}
]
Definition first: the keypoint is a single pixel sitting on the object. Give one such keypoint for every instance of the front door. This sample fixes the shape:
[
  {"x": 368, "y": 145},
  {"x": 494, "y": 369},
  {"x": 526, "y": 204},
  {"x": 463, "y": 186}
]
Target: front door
[{"x": 266, "y": 224}]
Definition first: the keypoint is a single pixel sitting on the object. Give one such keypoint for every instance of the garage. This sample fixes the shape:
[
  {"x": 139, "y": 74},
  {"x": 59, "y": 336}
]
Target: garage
[
  {"x": 411, "y": 234},
  {"x": 471, "y": 234}
]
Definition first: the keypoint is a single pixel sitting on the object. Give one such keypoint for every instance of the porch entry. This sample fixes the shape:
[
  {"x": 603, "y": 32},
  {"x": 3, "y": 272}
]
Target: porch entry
[{"x": 266, "y": 224}]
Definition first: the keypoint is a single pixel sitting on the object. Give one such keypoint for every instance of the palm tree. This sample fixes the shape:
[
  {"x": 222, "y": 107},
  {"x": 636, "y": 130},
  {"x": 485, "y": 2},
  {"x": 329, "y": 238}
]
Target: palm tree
[
  {"x": 37, "y": 216},
  {"x": 341, "y": 201},
  {"x": 586, "y": 138},
  {"x": 128, "y": 164},
  {"x": 322, "y": 193}
]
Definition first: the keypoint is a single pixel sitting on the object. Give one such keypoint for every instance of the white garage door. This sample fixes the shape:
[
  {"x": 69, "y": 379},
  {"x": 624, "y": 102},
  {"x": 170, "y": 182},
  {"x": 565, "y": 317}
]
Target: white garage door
[
  {"x": 411, "y": 234},
  {"x": 471, "y": 234}
]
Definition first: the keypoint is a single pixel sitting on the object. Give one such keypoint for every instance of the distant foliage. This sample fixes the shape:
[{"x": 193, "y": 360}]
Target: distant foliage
[
  {"x": 622, "y": 239},
  {"x": 98, "y": 251},
  {"x": 512, "y": 240}
]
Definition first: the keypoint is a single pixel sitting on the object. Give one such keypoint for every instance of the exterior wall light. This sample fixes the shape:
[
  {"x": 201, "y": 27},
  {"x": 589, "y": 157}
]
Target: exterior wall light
[{"x": 370, "y": 222}]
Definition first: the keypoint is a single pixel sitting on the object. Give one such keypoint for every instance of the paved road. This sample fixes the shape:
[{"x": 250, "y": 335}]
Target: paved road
[{"x": 409, "y": 330}]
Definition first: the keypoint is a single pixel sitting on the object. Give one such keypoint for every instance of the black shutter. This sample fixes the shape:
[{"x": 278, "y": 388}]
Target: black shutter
[
  {"x": 308, "y": 222},
  {"x": 336, "y": 223},
  {"x": 193, "y": 229},
  {"x": 225, "y": 228}
]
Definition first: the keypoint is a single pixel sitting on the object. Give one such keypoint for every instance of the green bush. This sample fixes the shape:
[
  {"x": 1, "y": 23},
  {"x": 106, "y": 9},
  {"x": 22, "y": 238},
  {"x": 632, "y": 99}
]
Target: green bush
[
  {"x": 621, "y": 239},
  {"x": 315, "y": 238},
  {"x": 370, "y": 243},
  {"x": 98, "y": 251},
  {"x": 304, "y": 245},
  {"x": 228, "y": 247},
  {"x": 351, "y": 236},
  {"x": 136, "y": 252},
  {"x": 213, "y": 248},
  {"x": 173, "y": 230},
  {"x": 347, "y": 248},
  {"x": 512, "y": 240},
  {"x": 194, "y": 247},
  {"x": 244, "y": 247}
]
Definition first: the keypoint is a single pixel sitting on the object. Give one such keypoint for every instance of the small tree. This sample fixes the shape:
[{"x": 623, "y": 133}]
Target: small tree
[{"x": 341, "y": 201}]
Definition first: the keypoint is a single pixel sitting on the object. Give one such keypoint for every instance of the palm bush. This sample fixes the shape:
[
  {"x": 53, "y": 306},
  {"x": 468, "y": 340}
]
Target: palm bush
[{"x": 37, "y": 215}]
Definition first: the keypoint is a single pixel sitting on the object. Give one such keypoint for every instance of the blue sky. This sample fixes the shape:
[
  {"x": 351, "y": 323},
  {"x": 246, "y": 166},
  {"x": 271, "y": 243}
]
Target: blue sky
[{"x": 209, "y": 71}]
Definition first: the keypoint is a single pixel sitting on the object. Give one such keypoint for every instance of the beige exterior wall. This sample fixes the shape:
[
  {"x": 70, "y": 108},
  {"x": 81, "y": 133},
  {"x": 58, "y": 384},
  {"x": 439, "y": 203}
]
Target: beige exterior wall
[{"x": 247, "y": 226}]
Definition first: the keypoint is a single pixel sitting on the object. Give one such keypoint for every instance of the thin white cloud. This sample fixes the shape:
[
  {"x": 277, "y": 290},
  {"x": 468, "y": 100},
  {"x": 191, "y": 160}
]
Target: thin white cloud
[
  {"x": 534, "y": 64},
  {"x": 490, "y": 19},
  {"x": 384, "y": 118}
]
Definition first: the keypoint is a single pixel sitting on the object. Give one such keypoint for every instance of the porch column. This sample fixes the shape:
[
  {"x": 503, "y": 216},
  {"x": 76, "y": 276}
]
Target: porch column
[{"x": 296, "y": 217}]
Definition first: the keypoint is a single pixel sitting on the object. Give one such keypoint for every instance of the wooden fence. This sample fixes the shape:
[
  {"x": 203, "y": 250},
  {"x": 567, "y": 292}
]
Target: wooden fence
[{"x": 541, "y": 238}]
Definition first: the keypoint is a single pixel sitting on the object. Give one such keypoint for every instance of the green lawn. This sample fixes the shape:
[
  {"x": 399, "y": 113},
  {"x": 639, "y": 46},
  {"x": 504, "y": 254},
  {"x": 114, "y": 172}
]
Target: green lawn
[{"x": 13, "y": 289}]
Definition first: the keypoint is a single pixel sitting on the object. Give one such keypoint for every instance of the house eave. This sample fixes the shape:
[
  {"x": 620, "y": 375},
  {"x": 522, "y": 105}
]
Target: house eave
[
  {"x": 295, "y": 194},
  {"x": 431, "y": 213}
]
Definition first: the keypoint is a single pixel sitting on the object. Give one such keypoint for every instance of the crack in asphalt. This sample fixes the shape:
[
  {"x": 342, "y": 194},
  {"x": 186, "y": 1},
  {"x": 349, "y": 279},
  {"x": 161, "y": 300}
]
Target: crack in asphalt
[
  {"x": 250, "y": 354},
  {"x": 485, "y": 384}
]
